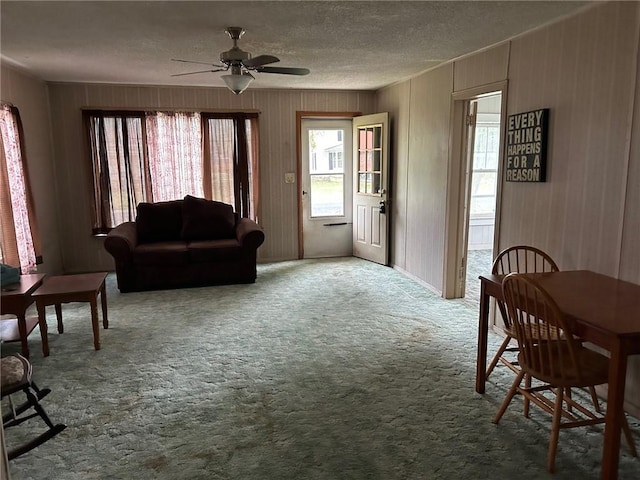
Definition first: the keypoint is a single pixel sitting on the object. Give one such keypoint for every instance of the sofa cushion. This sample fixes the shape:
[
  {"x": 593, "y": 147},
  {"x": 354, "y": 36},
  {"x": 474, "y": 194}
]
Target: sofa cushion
[
  {"x": 204, "y": 251},
  {"x": 168, "y": 254},
  {"x": 206, "y": 219},
  {"x": 159, "y": 222}
]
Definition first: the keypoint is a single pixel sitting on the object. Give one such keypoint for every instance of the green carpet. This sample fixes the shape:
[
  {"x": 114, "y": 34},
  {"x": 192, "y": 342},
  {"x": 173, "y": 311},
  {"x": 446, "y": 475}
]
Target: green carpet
[{"x": 324, "y": 369}]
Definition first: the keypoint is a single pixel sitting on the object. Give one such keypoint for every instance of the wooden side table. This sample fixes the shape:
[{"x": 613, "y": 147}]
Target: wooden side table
[
  {"x": 15, "y": 300},
  {"x": 67, "y": 289}
]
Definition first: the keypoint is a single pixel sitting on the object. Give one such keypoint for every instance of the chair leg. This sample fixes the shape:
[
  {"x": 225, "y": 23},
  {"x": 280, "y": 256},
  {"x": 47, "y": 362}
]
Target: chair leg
[
  {"x": 568, "y": 394},
  {"x": 507, "y": 400},
  {"x": 594, "y": 399},
  {"x": 38, "y": 408},
  {"x": 628, "y": 436},
  {"x": 555, "y": 430},
  {"x": 527, "y": 402},
  {"x": 11, "y": 417},
  {"x": 496, "y": 357}
]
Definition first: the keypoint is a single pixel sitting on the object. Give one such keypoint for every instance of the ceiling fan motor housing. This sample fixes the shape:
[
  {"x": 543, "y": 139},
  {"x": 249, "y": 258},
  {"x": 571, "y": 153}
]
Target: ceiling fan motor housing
[{"x": 235, "y": 56}]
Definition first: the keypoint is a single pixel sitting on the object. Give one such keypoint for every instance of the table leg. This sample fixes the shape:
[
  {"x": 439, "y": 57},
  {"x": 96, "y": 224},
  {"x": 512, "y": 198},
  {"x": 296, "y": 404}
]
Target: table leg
[
  {"x": 483, "y": 332},
  {"x": 103, "y": 299},
  {"x": 94, "y": 321},
  {"x": 22, "y": 330},
  {"x": 615, "y": 411},
  {"x": 58, "y": 308},
  {"x": 42, "y": 322}
]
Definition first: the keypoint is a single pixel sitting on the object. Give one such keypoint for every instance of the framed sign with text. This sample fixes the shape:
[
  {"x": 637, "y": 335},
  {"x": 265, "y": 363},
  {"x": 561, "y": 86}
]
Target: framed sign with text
[{"x": 526, "y": 152}]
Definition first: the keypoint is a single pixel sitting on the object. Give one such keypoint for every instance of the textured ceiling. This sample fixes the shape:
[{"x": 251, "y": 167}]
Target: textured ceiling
[{"x": 346, "y": 45}]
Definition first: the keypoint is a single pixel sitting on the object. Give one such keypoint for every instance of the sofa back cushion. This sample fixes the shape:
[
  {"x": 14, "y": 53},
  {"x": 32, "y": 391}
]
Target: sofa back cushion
[
  {"x": 159, "y": 222},
  {"x": 206, "y": 219}
]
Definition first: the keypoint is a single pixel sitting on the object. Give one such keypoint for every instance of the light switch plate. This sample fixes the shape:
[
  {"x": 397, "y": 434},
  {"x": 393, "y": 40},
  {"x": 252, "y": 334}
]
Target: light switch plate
[{"x": 289, "y": 177}]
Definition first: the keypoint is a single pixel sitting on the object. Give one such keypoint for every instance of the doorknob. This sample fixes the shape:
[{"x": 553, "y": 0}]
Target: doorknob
[
  {"x": 303, "y": 192},
  {"x": 383, "y": 207}
]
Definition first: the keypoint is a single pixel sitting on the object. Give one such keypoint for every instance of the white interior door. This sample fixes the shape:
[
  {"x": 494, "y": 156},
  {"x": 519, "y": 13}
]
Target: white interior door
[
  {"x": 467, "y": 178},
  {"x": 327, "y": 187},
  {"x": 371, "y": 187}
]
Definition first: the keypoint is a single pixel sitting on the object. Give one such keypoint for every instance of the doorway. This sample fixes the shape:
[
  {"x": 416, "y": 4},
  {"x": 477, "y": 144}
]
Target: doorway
[
  {"x": 474, "y": 189},
  {"x": 343, "y": 165},
  {"x": 483, "y": 187},
  {"x": 327, "y": 187}
]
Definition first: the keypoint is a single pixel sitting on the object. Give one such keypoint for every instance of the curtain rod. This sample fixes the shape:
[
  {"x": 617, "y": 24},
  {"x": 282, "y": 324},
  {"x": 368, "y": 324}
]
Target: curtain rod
[{"x": 177, "y": 110}]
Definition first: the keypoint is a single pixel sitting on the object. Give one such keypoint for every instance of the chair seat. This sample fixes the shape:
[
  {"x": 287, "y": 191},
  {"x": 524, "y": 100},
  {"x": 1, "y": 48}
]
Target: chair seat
[
  {"x": 593, "y": 367},
  {"x": 550, "y": 332},
  {"x": 13, "y": 375}
]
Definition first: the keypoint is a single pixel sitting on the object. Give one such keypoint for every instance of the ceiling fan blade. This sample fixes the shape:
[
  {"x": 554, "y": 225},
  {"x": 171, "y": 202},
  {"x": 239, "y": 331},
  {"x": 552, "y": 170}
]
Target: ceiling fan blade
[
  {"x": 259, "y": 61},
  {"x": 284, "y": 70},
  {"x": 201, "y": 63},
  {"x": 201, "y": 71}
]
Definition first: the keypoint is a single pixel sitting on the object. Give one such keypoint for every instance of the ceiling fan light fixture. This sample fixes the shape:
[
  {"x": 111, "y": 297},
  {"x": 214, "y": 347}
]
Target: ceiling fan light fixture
[{"x": 238, "y": 83}]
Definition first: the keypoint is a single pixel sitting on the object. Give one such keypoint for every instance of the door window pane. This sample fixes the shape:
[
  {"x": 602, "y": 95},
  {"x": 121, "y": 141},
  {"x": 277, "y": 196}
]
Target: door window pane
[
  {"x": 370, "y": 155},
  {"x": 327, "y": 195},
  {"x": 326, "y": 172}
]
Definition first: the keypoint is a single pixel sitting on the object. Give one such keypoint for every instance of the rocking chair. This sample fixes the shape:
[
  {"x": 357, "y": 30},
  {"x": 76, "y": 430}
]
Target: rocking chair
[{"x": 15, "y": 376}]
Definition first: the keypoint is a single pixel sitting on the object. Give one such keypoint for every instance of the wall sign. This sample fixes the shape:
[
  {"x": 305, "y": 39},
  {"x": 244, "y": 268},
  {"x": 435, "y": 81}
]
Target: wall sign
[{"x": 527, "y": 146}]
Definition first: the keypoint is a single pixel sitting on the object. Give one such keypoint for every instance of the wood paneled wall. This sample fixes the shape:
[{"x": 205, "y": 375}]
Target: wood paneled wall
[
  {"x": 584, "y": 70},
  {"x": 429, "y": 122},
  {"x": 397, "y": 100},
  {"x": 30, "y": 96},
  {"x": 482, "y": 68},
  {"x": 630, "y": 254},
  {"x": 278, "y": 201}
]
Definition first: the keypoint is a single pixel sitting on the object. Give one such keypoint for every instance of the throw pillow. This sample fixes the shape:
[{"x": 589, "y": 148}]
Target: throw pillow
[
  {"x": 206, "y": 219},
  {"x": 159, "y": 222}
]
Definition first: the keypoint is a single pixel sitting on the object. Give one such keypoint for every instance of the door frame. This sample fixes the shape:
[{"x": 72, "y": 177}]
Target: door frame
[
  {"x": 455, "y": 226},
  {"x": 304, "y": 114}
]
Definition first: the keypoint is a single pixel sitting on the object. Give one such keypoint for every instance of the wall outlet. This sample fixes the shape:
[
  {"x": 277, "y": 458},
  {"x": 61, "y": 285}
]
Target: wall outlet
[{"x": 289, "y": 177}]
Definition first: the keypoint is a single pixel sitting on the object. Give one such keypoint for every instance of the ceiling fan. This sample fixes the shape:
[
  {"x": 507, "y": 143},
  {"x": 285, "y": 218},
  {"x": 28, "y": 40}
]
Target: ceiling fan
[{"x": 242, "y": 64}]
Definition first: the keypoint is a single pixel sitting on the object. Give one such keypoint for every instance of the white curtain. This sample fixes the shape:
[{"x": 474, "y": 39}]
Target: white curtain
[
  {"x": 18, "y": 228},
  {"x": 174, "y": 142}
]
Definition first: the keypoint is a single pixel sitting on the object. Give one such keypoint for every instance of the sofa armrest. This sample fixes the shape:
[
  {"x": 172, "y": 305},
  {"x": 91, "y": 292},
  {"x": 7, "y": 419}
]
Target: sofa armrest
[
  {"x": 121, "y": 241},
  {"x": 249, "y": 233}
]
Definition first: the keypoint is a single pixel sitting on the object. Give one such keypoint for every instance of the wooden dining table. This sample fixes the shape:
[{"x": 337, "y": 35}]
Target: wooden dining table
[{"x": 602, "y": 310}]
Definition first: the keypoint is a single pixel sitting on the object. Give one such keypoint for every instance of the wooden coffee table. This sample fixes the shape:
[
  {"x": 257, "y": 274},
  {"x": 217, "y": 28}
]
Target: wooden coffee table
[
  {"x": 67, "y": 289},
  {"x": 16, "y": 298}
]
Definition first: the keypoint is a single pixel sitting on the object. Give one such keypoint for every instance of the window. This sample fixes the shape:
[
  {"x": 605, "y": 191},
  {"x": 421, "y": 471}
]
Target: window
[
  {"x": 485, "y": 170},
  {"x": 160, "y": 156},
  {"x": 20, "y": 242},
  {"x": 231, "y": 160},
  {"x": 326, "y": 172},
  {"x": 335, "y": 160},
  {"x": 119, "y": 167}
]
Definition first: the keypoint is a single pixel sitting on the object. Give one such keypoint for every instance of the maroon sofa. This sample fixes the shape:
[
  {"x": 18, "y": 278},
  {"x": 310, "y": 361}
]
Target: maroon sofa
[{"x": 184, "y": 243}]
